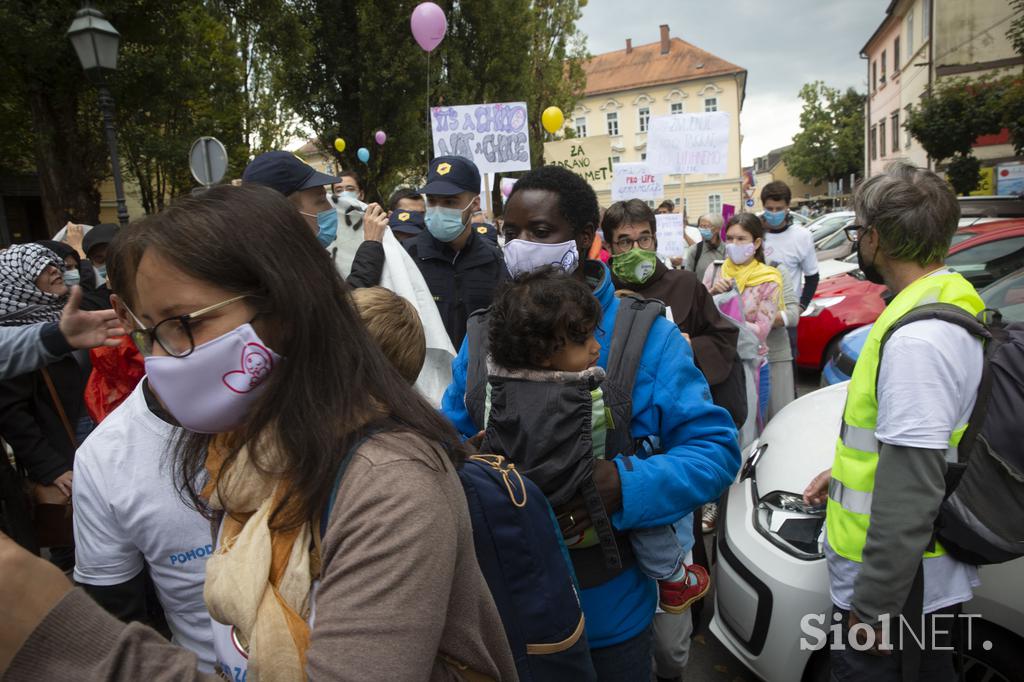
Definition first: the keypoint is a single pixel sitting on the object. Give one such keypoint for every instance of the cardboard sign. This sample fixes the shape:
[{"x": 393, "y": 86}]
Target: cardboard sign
[
  {"x": 635, "y": 181},
  {"x": 689, "y": 143},
  {"x": 493, "y": 136},
  {"x": 587, "y": 157},
  {"x": 670, "y": 235}
]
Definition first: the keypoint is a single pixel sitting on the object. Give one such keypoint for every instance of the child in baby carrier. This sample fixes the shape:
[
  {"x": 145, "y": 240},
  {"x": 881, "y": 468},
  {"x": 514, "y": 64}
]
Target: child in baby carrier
[{"x": 545, "y": 412}]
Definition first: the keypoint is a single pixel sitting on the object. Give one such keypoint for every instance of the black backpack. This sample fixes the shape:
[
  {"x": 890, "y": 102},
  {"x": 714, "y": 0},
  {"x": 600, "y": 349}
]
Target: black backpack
[
  {"x": 981, "y": 520},
  {"x": 614, "y": 554}
]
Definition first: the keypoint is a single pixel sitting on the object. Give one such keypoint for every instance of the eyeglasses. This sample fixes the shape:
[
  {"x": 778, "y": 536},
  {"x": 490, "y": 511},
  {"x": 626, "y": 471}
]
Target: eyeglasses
[
  {"x": 625, "y": 243},
  {"x": 853, "y": 232},
  {"x": 173, "y": 334}
]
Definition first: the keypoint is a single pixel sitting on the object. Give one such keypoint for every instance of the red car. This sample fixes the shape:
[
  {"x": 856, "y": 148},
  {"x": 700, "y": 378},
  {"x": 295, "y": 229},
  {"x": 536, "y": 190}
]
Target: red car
[{"x": 981, "y": 253}]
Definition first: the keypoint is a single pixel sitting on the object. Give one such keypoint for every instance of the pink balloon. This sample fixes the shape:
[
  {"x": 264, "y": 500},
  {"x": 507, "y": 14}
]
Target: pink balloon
[
  {"x": 380, "y": 137},
  {"x": 428, "y": 25}
]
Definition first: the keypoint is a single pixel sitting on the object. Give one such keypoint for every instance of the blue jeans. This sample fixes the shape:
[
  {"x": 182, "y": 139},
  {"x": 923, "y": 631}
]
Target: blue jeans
[
  {"x": 658, "y": 551},
  {"x": 628, "y": 661}
]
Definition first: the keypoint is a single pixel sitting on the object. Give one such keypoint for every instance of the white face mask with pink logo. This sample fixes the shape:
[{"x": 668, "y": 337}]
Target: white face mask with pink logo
[{"x": 212, "y": 389}]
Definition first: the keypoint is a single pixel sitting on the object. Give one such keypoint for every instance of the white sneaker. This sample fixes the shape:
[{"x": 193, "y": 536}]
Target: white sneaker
[{"x": 709, "y": 519}]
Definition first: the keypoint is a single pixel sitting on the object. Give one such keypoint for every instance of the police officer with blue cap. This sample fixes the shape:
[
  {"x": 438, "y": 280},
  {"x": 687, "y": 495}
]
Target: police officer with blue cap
[
  {"x": 304, "y": 186},
  {"x": 461, "y": 268},
  {"x": 406, "y": 224}
]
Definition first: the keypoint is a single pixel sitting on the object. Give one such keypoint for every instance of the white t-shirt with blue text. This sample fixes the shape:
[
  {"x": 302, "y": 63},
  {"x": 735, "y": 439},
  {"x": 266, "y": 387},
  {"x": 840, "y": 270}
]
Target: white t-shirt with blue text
[{"x": 127, "y": 513}]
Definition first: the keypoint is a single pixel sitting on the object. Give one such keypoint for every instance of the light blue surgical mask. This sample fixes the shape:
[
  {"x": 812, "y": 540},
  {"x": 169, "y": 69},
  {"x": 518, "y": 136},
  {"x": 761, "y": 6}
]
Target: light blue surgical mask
[
  {"x": 705, "y": 234},
  {"x": 72, "y": 277},
  {"x": 327, "y": 227},
  {"x": 446, "y": 224},
  {"x": 101, "y": 275},
  {"x": 348, "y": 195},
  {"x": 775, "y": 218}
]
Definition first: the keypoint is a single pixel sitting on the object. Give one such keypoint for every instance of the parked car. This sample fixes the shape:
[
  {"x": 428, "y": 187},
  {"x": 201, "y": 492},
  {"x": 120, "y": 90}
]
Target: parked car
[
  {"x": 771, "y": 577},
  {"x": 1006, "y": 296},
  {"x": 835, "y": 245},
  {"x": 827, "y": 224},
  {"x": 982, "y": 253}
]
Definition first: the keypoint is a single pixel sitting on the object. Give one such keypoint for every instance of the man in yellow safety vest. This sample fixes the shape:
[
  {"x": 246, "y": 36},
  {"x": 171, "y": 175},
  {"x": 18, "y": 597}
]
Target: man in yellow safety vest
[{"x": 906, "y": 410}]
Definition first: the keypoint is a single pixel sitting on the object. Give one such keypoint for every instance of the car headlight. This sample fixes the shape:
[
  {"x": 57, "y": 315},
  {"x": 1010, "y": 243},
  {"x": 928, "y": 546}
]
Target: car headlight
[
  {"x": 790, "y": 524},
  {"x": 819, "y": 304}
]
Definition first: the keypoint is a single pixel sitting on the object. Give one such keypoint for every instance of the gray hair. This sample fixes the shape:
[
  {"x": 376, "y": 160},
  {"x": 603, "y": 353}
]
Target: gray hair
[
  {"x": 714, "y": 218},
  {"x": 914, "y": 211}
]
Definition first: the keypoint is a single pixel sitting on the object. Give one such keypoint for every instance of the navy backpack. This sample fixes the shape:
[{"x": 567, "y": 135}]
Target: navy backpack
[{"x": 527, "y": 570}]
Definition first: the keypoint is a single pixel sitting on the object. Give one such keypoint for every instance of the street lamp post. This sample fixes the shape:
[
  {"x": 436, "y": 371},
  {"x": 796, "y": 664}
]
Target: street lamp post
[{"x": 96, "y": 42}]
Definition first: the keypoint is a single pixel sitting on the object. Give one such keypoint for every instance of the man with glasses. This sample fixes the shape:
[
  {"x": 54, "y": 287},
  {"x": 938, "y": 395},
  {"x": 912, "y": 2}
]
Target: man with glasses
[
  {"x": 140, "y": 552},
  {"x": 906, "y": 411}
]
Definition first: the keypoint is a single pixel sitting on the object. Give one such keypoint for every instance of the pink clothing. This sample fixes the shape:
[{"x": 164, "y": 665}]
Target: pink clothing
[{"x": 760, "y": 306}]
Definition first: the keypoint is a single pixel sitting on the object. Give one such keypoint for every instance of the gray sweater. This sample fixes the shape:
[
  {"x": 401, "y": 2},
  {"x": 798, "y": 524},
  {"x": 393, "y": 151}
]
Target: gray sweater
[{"x": 27, "y": 348}]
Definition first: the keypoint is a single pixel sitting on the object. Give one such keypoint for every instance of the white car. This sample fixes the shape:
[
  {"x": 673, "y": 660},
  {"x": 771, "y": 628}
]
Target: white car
[
  {"x": 770, "y": 576},
  {"x": 827, "y": 224}
]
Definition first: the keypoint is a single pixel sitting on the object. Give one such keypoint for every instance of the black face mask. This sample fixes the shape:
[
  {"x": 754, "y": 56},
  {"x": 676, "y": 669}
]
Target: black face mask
[{"x": 871, "y": 273}]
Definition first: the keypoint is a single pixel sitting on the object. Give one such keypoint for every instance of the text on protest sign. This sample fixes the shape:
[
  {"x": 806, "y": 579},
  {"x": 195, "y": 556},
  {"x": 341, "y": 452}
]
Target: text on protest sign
[
  {"x": 494, "y": 136},
  {"x": 635, "y": 181},
  {"x": 689, "y": 143},
  {"x": 589, "y": 158},
  {"x": 670, "y": 235}
]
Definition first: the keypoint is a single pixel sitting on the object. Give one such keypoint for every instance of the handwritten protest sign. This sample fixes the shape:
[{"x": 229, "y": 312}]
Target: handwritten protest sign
[
  {"x": 635, "y": 181},
  {"x": 588, "y": 157},
  {"x": 494, "y": 136},
  {"x": 689, "y": 143},
  {"x": 670, "y": 235}
]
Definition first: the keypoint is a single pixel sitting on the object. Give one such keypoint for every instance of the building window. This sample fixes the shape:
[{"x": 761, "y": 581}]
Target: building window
[
  {"x": 895, "y": 123},
  {"x": 643, "y": 156},
  {"x": 715, "y": 204},
  {"x": 874, "y": 76},
  {"x": 896, "y": 55},
  {"x": 882, "y": 79},
  {"x": 910, "y": 32},
  {"x": 873, "y": 142},
  {"x": 581, "y": 126},
  {"x": 926, "y": 20},
  {"x": 881, "y": 138},
  {"x": 710, "y": 104},
  {"x": 906, "y": 118},
  {"x": 613, "y": 123},
  {"x": 677, "y": 108},
  {"x": 616, "y": 159},
  {"x": 645, "y": 116}
]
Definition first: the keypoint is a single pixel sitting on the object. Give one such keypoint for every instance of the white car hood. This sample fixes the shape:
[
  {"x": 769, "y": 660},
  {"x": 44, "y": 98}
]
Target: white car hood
[{"x": 801, "y": 441}]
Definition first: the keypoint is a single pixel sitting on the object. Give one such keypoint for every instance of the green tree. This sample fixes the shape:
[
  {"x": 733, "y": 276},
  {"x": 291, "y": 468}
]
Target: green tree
[
  {"x": 948, "y": 121},
  {"x": 830, "y": 144},
  {"x": 366, "y": 73},
  {"x": 1016, "y": 31}
]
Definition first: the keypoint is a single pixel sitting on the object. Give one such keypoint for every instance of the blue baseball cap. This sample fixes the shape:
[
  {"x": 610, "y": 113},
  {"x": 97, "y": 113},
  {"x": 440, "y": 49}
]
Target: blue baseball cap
[
  {"x": 451, "y": 175},
  {"x": 285, "y": 172},
  {"x": 409, "y": 222}
]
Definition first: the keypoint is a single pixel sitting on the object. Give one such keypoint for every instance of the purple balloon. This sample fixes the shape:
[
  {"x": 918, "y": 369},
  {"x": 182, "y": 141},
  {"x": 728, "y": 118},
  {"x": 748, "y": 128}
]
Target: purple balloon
[
  {"x": 428, "y": 25},
  {"x": 380, "y": 137}
]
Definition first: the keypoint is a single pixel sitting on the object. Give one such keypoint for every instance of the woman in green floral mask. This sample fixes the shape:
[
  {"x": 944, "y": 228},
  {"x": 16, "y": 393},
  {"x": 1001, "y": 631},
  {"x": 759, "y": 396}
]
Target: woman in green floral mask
[{"x": 630, "y": 230}]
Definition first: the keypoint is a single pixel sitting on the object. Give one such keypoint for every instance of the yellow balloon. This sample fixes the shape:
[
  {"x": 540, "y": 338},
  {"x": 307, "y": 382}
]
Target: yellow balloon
[
  {"x": 339, "y": 144},
  {"x": 552, "y": 118}
]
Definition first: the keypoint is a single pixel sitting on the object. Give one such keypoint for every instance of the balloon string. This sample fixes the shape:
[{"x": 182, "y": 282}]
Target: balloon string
[{"x": 429, "y": 122}]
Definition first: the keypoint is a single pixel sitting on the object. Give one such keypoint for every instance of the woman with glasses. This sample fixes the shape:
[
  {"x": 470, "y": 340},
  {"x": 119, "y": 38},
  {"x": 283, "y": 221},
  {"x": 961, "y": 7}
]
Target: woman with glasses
[{"x": 344, "y": 546}]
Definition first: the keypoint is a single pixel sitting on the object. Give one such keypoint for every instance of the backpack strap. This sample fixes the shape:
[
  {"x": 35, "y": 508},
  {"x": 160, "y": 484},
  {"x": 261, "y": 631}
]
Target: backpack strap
[
  {"x": 633, "y": 323},
  {"x": 700, "y": 251},
  {"x": 476, "y": 369},
  {"x": 976, "y": 326}
]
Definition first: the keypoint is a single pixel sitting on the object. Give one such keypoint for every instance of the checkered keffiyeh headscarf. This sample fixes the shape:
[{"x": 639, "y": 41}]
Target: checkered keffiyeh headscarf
[{"x": 21, "y": 301}]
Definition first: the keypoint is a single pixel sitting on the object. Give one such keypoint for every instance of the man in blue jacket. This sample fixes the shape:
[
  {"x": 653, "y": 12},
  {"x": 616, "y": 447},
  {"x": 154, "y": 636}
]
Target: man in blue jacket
[{"x": 552, "y": 209}]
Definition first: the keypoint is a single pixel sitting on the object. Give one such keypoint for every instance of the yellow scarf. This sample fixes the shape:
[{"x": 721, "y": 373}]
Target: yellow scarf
[
  {"x": 752, "y": 273},
  {"x": 258, "y": 580}
]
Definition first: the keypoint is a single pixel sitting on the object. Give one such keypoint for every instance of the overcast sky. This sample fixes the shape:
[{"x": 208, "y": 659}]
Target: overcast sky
[{"x": 781, "y": 43}]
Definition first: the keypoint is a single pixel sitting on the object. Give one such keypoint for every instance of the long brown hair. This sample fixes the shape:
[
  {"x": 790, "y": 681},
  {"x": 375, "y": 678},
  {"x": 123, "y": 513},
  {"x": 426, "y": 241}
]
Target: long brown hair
[{"x": 250, "y": 240}]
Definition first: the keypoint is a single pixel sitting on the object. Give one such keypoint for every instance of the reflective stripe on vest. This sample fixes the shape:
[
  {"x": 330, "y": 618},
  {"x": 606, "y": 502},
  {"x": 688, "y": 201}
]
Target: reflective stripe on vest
[{"x": 848, "y": 510}]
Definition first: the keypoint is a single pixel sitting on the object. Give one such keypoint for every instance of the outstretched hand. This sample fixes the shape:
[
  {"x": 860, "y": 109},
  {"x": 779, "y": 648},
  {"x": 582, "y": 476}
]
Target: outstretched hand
[
  {"x": 85, "y": 329},
  {"x": 816, "y": 491},
  {"x": 375, "y": 222}
]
